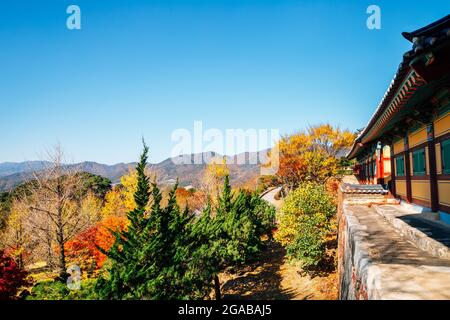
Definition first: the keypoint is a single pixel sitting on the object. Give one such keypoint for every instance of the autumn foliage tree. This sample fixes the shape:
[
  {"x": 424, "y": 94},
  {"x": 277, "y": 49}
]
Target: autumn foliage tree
[
  {"x": 49, "y": 210},
  {"x": 215, "y": 171},
  {"x": 16, "y": 238},
  {"x": 191, "y": 198},
  {"x": 11, "y": 277},
  {"x": 312, "y": 155},
  {"x": 305, "y": 222},
  {"x": 84, "y": 250},
  {"x": 120, "y": 199},
  {"x": 56, "y": 205}
]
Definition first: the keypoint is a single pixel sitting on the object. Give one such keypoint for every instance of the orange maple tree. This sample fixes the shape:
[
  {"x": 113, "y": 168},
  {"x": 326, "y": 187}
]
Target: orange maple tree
[
  {"x": 194, "y": 199},
  {"x": 83, "y": 249}
]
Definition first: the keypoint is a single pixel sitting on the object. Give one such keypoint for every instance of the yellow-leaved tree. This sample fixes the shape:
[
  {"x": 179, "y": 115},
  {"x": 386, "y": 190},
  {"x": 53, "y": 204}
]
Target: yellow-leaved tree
[
  {"x": 91, "y": 207},
  {"x": 120, "y": 199},
  {"x": 16, "y": 238},
  {"x": 312, "y": 155},
  {"x": 213, "y": 176}
]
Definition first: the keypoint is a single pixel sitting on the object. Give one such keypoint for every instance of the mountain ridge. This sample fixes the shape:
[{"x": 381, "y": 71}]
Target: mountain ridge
[{"x": 14, "y": 173}]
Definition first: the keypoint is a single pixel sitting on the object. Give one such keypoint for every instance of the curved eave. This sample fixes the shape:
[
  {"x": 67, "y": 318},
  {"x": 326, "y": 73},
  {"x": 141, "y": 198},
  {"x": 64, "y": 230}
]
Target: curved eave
[
  {"x": 405, "y": 82},
  {"x": 402, "y": 87},
  {"x": 409, "y": 86},
  {"x": 440, "y": 24}
]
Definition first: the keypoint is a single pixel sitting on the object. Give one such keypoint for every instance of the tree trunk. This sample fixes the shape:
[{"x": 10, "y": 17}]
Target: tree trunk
[
  {"x": 20, "y": 241},
  {"x": 49, "y": 251},
  {"x": 20, "y": 260},
  {"x": 62, "y": 263},
  {"x": 217, "y": 287},
  {"x": 60, "y": 239}
]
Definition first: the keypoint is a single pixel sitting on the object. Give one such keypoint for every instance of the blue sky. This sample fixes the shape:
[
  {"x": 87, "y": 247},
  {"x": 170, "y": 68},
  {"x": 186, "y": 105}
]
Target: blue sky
[{"x": 146, "y": 68}]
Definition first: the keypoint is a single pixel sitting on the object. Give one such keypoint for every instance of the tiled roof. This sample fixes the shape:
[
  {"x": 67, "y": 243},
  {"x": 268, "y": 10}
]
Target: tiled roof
[
  {"x": 423, "y": 38},
  {"x": 362, "y": 188},
  {"x": 442, "y": 24}
]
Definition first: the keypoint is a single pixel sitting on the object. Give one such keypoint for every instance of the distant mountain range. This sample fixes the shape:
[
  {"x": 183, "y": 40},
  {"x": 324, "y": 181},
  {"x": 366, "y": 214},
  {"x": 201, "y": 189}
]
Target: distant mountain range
[
  {"x": 167, "y": 171},
  {"x": 14, "y": 173}
]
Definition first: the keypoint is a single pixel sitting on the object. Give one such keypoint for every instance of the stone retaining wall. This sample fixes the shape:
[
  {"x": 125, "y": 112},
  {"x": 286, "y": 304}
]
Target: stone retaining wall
[
  {"x": 352, "y": 260},
  {"x": 377, "y": 261}
]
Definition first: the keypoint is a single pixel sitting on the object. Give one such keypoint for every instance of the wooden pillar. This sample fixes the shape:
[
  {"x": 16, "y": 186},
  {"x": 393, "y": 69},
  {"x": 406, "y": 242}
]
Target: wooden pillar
[
  {"x": 407, "y": 170},
  {"x": 432, "y": 167},
  {"x": 364, "y": 172},
  {"x": 380, "y": 163},
  {"x": 392, "y": 169},
  {"x": 361, "y": 171},
  {"x": 372, "y": 173},
  {"x": 367, "y": 171}
]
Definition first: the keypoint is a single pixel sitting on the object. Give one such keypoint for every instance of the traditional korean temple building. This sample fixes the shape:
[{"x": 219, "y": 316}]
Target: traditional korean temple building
[{"x": 406, "y": 144}]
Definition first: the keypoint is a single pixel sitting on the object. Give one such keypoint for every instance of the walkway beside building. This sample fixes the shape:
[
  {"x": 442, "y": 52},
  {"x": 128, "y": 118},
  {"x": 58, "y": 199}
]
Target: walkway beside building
[{"x": 380, "y": 258}]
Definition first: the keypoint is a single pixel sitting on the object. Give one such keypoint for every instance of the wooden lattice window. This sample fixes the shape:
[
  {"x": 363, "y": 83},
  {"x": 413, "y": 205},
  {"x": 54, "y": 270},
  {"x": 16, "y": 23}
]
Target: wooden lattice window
[
  {"x": 445, "y": 152},
  {"x": 419, "y": 168},
  {"x": 400, "y": 166}
]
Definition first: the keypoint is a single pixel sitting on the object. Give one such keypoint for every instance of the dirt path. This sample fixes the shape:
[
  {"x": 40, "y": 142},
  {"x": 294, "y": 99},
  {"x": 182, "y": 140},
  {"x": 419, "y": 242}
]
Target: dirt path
[{"x": 273, "y": 277}]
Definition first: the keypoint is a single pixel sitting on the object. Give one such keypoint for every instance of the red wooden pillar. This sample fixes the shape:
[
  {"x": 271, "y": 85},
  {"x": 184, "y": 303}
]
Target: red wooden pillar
[{"x": 379, "y": 158}]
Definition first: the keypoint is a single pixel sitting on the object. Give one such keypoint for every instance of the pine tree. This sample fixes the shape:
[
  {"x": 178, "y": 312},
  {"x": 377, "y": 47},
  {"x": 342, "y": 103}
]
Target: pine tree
[
  {"x": 169, "y": 254},
  {"x": 232, "y": 236},
  {"x": 205, "y": 263},
  {"x": 127, "y": 273},
  {"x": 148, "y": 259},
  {"x": 142, "y": 195}
]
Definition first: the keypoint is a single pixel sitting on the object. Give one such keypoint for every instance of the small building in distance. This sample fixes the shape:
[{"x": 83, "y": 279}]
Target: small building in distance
[{"x": 406, "y": 144}]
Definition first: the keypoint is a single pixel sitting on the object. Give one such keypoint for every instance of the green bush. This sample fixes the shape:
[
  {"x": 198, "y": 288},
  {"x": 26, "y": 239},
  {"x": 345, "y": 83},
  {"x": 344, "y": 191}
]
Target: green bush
[
  {"x": 310, "y": 200},
  {"x": 49, "y": 290},
  {"x": 304, "y": 222},
  {"x": 309, "y": 246},
  {"x": 86, "y": 291},
  {"x": 263, "y": 216}
]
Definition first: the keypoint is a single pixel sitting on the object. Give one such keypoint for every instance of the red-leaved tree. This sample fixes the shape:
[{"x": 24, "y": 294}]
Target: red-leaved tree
[
  {"x": 11, "y": 277},
  {"x": 83, "y": 249}
]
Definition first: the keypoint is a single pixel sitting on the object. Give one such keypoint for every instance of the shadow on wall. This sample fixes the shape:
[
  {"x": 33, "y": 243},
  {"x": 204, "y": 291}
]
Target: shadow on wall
[{"x": 434, "y": 230}]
